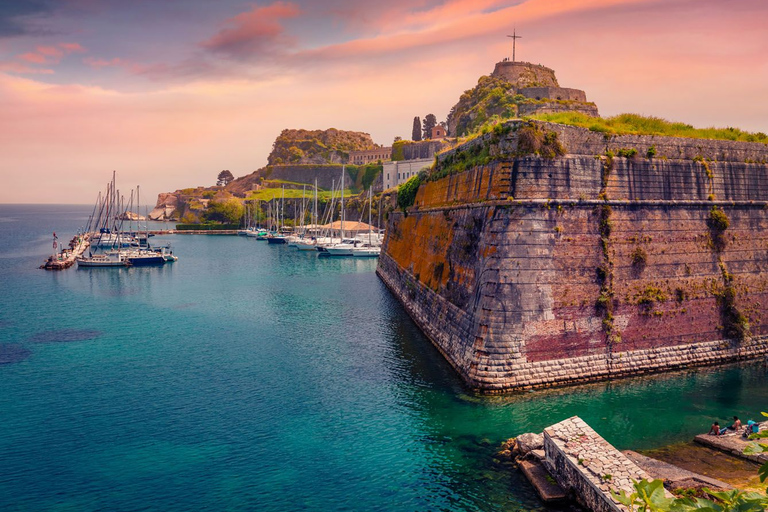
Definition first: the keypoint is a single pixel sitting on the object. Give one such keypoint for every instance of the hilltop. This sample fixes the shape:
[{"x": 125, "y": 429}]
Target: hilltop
[
  {"x": 329, "y": 146},
  {"x": 514, "y": 89}
]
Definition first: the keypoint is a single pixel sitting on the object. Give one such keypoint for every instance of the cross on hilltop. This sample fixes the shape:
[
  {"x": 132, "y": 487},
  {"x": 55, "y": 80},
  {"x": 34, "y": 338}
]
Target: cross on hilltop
[{"x": 514, "y": 37}]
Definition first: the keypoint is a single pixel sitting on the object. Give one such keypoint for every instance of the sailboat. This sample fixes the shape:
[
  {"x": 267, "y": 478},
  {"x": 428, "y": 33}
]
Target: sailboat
[
  {"x": 369, "y": 248},
  {"x": 308, "y": 243},
  {"x": 279, "y": 237}
]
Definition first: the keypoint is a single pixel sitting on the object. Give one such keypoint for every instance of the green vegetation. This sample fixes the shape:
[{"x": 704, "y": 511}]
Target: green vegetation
[
  {"x": 639, "y": 258},
  {"x": 717, "y": 222},
  {"x": 533, "y": 140},
  {"x": 490, "y": 97},
  {"x": 397, "y": 149},
  {"x": 651, "y": 295},
  {"x": 627, "y": 152},
  {"x": 623, "y": 124},
  {"x": 225, "y": 211},
  {"x": 269, "y": 193},
  {"x": 406, "y": 193},
  {"x": 317, "y": 146},
  {"x": 649, "y": 495}
]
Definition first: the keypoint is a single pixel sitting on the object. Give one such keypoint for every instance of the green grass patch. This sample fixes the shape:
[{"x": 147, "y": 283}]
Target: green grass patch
[
  {"x": 266, "y": 194},
  {"x": 634, "y": 124}
]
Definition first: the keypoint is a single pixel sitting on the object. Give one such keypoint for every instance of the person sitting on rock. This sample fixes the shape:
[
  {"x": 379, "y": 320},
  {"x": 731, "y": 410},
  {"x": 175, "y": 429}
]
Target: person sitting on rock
[
  {"x": 714, "y": 430},
  {"x": 733, "y": 428}
]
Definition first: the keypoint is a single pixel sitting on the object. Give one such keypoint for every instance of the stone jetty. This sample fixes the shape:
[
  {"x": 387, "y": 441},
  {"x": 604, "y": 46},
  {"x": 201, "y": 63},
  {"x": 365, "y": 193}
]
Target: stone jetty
[{"x": 67, "y": 257}]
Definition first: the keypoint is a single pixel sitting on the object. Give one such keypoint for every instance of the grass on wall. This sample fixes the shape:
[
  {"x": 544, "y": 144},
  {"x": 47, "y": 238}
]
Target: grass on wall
[{"x": 634, "y": 124}]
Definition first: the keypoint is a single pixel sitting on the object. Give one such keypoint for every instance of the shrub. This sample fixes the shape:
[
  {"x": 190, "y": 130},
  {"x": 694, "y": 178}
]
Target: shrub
[
  {"x": 406, "y": 193},
  {"x": 651, "y": 152},
  {"x": 639, "y": 258},
  {"x": 628, "y": 152},
  {"x": 717, "y": 222}
]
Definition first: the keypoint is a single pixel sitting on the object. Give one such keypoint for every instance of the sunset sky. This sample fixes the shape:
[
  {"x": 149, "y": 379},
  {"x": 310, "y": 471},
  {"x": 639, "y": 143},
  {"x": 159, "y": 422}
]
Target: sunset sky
[{"x": 170, "y": 92}]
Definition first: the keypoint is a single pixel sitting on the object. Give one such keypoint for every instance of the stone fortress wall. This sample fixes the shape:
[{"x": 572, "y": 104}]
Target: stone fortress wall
[
  {"x": 554, "y": 93},
  {"x": 530, "y": 272},
  {"x": 539, "y": 83}
]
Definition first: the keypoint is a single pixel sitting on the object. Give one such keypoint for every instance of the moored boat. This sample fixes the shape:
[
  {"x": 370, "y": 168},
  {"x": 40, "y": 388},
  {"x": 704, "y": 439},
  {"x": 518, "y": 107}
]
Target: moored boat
[{"x": 103, "y": 261}]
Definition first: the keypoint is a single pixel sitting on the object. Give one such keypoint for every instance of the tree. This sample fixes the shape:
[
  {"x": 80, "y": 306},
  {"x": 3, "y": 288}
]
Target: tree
[
  {"x": 228, "y": 211},
  {"x": 225, "y": 177},
  {"x": 398, "y": 138},
  {"x": 429, "y": 122},
  {"x": 416, "y": 135}
]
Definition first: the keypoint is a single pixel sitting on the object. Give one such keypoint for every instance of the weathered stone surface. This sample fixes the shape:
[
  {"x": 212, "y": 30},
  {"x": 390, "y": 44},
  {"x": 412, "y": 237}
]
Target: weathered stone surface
[
  {"x": 529, "y": 442},
  {"x": 585, "y": 463},
  {"x": 673, "y": 476},
  {"x": 546, "y": 488},
  {"x": 498, "y": 265},
  {"x": 733, "y": 444}
]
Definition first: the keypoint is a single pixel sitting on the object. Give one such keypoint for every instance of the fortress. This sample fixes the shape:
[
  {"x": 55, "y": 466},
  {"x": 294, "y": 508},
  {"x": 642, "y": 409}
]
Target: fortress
[
  {"x": 554, "y": 261},
  {"x": 537, "y": 82}
]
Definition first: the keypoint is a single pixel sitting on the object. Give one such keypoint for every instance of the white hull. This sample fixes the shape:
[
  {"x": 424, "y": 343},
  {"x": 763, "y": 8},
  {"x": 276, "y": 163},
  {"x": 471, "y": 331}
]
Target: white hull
[
  {"x": 101, "y": 261},
  {"x": 366, "y": 252},
  {"x": 305, "y": 246}
]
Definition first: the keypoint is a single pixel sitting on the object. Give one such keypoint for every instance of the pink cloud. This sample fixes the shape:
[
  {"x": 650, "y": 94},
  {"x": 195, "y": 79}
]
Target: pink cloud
[
  {"x": 32, "y": 57},
  {"x": 455, "y": 20},
  {"x": 253, "y": 31},
  {"x": 50, "y": 51},
  {"x": 72, "y": 47},
  {"x": 47, "y": 55}
]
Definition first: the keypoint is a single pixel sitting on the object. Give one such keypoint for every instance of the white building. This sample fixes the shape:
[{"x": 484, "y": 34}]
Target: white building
[{"x": 398, "y": 172}]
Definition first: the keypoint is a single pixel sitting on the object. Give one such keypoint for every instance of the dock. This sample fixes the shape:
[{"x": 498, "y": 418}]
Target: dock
[
  {"x": 733, "y": 444},
  {"x": 67, "y": 257},
  {"x": 546, "y": 487}
]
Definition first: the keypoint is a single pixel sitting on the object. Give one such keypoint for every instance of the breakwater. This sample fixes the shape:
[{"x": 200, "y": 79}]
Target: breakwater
[{"x": 527, "y": 271}]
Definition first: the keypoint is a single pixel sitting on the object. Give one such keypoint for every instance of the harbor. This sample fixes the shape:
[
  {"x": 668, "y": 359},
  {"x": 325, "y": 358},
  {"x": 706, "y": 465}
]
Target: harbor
[{"x": 212, "y": 389}]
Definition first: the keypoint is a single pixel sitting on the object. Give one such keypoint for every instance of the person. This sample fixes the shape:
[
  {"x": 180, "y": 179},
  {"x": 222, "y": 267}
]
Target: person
[
  {"x": 714, "y": 430},
  {"x": 736, "y": 424}
]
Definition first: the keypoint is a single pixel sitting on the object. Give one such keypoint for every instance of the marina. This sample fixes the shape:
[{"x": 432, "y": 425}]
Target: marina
[{"x": 302, "y": 358}]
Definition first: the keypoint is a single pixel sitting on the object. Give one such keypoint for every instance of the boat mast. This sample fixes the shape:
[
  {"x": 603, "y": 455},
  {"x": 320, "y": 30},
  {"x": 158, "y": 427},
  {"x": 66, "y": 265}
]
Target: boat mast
[{"x": 343, "y": 171}]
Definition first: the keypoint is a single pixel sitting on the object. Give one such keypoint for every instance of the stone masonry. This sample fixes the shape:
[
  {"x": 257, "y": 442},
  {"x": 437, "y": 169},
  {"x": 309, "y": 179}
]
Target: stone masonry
[
  {"x": 499, "y": 265},
  {"x": 588, "y": 466}
]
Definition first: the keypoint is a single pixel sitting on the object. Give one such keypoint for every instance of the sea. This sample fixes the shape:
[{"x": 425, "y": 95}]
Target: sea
[{"x": 249, "y": 376}]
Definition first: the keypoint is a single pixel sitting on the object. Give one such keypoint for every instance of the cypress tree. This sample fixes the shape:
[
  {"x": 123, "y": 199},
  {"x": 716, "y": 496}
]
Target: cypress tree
[{"x": 416, "y": 134}]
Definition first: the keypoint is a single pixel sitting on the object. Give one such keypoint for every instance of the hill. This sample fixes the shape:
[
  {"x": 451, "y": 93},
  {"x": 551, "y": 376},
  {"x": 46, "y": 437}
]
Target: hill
[{"x": 329, "y": 146}]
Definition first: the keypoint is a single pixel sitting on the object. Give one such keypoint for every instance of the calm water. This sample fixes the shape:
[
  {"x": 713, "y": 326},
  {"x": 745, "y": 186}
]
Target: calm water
[{"x": 254, "y": 377}]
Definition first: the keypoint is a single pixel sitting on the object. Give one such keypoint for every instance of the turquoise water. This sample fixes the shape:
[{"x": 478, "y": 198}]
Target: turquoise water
[{"x": 254, "y": 377}]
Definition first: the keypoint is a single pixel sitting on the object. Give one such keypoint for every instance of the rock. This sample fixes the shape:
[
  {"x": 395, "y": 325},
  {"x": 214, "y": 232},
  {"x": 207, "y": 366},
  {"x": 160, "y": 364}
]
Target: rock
[
  {"x": 529, "y": 442},
  {"x": 537, "y": 455}
]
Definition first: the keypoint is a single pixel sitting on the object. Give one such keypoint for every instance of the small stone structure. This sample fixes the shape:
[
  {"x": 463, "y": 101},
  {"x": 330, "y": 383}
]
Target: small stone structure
[
  {"x": 438, "y": 132},
  {"x": 587, "y": 465}
]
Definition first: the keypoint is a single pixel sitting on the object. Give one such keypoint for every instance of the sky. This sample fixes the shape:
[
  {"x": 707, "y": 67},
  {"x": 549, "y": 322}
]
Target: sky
[{"x": 170, "y": 92}]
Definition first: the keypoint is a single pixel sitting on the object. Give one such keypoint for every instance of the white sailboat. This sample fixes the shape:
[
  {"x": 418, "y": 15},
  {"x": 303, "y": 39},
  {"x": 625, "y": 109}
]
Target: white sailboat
[{"x": 372, "y": 247}]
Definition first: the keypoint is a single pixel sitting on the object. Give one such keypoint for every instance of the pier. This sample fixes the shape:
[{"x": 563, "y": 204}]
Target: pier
[{"x": 67, "y": 257}]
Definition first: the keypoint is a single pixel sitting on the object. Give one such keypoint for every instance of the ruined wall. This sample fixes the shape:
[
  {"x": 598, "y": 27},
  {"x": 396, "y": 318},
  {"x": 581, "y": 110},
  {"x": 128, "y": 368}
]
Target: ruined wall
[
  {"x": 554, "y": 107},
  {"x": 525, "y": 74},
  {"x": 554, "y": 93},
  {"x": 534, "y": 272}
]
